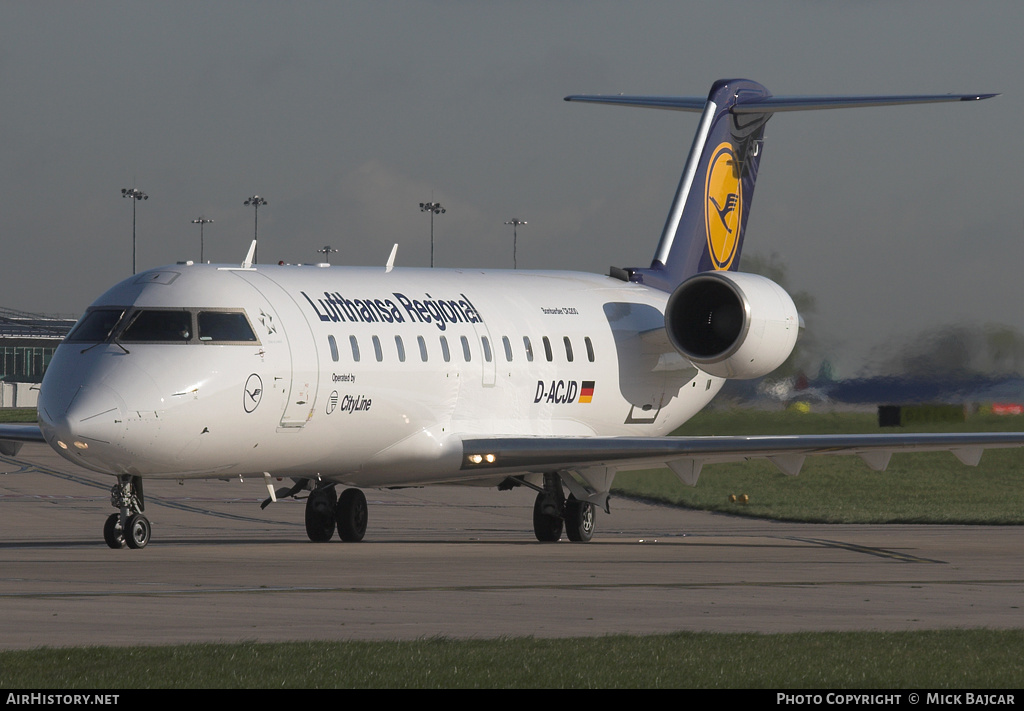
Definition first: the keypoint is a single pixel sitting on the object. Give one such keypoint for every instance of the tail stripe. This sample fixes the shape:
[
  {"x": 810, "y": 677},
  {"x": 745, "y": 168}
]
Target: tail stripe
[{"x": 685, "y": 184}]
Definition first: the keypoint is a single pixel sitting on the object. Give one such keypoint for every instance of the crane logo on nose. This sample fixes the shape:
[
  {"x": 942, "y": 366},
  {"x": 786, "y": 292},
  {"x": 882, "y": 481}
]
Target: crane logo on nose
[{"x": 253, "y": 393}]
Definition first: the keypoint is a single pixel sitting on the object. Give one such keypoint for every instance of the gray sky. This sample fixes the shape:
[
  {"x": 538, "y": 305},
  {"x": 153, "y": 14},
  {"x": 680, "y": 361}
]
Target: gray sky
[{"x": 346, "y": 115}]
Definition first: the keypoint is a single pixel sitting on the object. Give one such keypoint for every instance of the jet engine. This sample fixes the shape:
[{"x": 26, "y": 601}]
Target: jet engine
[{"x": 732, "y": 325}]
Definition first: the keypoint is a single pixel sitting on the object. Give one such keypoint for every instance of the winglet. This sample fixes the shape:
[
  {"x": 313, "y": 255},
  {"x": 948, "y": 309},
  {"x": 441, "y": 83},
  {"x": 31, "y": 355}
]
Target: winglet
[{"x": 247, "y": 262}]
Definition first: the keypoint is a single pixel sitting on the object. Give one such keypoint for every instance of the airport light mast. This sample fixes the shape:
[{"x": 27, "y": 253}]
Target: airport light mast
[
  {"x": 515, "y": 222},
  {"x": 326, "y": 251},
  {"x": 434, "y": 208},
  {"x": 138, "y": 195},
  {"x": 256, "y": 201},
  {"x": 202, "y": 222}
]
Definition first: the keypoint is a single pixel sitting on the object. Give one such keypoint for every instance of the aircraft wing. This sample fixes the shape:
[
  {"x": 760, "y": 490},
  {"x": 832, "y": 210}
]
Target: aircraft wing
[
  {"x": 21, "y": 433},
  {"x": 686, "y": 455},
  {"x": 13, "y": 436}
]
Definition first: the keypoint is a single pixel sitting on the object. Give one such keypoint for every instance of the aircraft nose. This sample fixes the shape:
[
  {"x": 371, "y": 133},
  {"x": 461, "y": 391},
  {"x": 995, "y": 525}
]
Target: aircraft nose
[{"x": 93, "y": 418}]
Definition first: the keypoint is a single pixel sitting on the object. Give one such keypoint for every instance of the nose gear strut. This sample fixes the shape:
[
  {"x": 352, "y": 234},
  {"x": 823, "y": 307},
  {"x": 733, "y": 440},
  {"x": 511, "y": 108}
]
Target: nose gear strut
[{"x": 129, "y": 526}]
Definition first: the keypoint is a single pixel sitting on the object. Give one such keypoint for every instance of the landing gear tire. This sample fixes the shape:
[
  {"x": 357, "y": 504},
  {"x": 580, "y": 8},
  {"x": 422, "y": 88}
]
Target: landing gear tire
[
  {"x": 138, "y": 531},
  {"x": 320, "y": 514},
  {"x": 351, "y": 515},
  {"x": 547, "y": 527},
  {"x": 579, "y": 520},
  {"x": 112, "y": 531}
]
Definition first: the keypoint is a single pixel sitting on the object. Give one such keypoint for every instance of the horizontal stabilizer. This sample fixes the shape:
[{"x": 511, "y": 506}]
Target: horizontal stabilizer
[
  {"x": 672, "y": 103},
  {"x": 773, "y": 104},
  {"x": 707, "y": 220}
]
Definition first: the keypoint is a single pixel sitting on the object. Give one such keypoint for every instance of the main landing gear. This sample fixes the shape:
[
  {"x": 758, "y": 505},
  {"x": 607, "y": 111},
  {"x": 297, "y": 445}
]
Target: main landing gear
[
  {"x": 325, "y": 511},
  {"x": 128, "y": 527},
  {"x": 552, "y": 512}
]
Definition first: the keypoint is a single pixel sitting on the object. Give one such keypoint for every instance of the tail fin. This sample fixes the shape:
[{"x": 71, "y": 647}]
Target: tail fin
[{"x": 706, "y": 224}]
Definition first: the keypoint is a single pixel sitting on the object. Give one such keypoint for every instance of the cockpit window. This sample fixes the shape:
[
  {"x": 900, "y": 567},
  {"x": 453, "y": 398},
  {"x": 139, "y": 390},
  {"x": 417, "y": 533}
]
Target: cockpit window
[
  {"x": 95, "y": 326},
  {"x": 231, "y": 326},
  {"x": 159, "y": 326},
  {"x": 156, "y": 325}
]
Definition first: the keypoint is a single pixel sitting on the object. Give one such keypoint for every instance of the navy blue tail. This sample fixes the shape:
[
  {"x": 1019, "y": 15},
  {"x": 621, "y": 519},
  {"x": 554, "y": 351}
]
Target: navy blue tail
[{"x": 705, "y": 227}]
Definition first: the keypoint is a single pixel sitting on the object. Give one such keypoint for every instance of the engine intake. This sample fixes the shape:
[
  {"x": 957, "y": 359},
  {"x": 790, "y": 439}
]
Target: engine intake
[{"x": 732, "y": 325}]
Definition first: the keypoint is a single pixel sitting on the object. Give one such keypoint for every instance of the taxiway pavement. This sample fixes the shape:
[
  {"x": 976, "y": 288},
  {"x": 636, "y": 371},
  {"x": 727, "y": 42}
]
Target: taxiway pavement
[{"x": 462, "y": 562}]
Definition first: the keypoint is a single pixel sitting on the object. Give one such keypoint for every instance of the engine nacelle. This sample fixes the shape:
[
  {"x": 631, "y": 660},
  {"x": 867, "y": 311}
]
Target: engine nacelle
[{"x": 732, "y": 325}]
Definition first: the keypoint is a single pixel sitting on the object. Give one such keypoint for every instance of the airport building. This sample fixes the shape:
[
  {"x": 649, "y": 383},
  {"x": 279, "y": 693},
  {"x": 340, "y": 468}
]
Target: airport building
[{"x": 27, "y": 343}]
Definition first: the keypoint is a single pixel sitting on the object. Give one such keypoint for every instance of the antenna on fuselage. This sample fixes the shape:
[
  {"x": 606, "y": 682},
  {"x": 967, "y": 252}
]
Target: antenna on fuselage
[
  {"x": 391, "y": 260},
  {"x": 247, "y": 262}
]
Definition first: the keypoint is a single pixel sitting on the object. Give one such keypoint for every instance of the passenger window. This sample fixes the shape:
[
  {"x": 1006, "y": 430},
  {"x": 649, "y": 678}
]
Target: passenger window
[
  {"x": 487, "y": 348},
  {"x": 508, "y": 348},
  {"x": 547, "y": 349},
  {"x": 465, "y": 349},
  {"x": 444, "y": 350},
  {"x": 590, "y": 349},
  {"x": 230, "y": 326},
  {"x": 423, "y": 348},
  {"x": 355, "y": 348},
  {"x": 334, "y": 348},
  {"x": 568, "y": 348},
  {"x": 529, "y": 348},
  {"x": 401, "y": 349},
  {"x": 95, "y": 326},
  {"x": 377, "y": 351},
  {"x": 156, "y": 326}
]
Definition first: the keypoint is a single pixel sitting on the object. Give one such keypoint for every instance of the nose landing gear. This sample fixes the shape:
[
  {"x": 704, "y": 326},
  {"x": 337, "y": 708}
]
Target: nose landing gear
[{"x": 128, "y": 527}]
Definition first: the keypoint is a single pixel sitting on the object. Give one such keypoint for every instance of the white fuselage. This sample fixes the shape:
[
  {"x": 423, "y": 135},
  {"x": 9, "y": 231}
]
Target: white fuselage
[{"x": 347, "y": 376}]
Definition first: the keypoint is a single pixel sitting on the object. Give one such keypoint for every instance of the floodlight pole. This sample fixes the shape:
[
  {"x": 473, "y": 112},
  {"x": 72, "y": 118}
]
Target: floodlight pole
[
  {"x": 202, "y": 222},
  {"x": 138, "y": 195},
  {"x": 434, "y": 208},
  {"x": 515, "y": 222}
]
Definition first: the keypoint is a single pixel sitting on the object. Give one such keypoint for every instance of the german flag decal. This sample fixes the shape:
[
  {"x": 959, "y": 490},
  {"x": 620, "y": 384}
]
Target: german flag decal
[{"x": 587, "y": 391}]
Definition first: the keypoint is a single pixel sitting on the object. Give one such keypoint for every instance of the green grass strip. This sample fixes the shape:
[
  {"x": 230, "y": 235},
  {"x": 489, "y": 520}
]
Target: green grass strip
[
  {"x": 17, "y": 414},
  {"x": 974, "y": 659},
  {"x": 916, "y": 488}
]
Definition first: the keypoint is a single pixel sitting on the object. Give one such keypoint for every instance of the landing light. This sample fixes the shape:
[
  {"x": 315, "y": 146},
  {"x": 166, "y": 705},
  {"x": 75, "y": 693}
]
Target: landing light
[
  {"x": 481, "y": 458},
  {"x": 61, "y": 444},
  {"x": 81, "y": 445}
]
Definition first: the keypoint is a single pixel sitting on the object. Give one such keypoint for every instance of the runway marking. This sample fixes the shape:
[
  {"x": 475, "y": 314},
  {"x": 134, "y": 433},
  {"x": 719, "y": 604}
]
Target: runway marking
[
  {"x": 47, "y": 497},
  {"x": 500, "y": 588},
  {"x": 150, "y": 501},
  {"x": 179, "y": 504},
  {"x": 26, "y": 467},
  {"x": 880, "y": 552}
]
